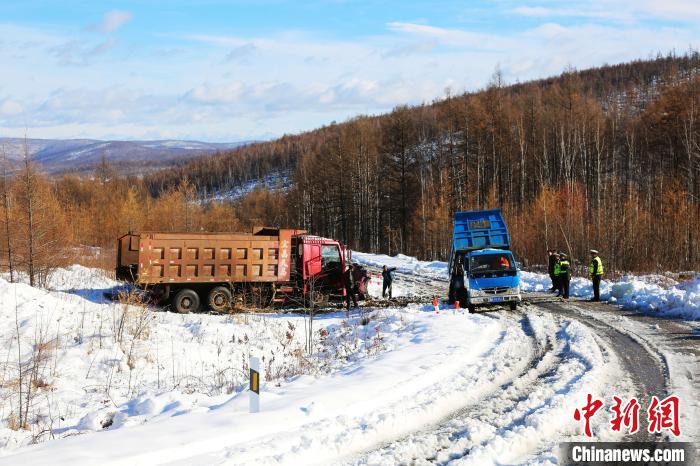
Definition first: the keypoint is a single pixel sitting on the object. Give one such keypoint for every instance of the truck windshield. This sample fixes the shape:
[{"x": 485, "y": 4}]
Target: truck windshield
[
  {"x": 330, "y": 258},
  {"x": 491, "y": 264}
]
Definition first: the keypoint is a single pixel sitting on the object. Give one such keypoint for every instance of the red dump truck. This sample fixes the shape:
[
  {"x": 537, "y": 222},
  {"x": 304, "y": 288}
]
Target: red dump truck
[{"x": 217, "y": 269}]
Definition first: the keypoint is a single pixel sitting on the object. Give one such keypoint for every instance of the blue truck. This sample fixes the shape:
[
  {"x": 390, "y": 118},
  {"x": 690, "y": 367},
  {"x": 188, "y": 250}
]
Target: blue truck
[{"x": 483, "y": 271}]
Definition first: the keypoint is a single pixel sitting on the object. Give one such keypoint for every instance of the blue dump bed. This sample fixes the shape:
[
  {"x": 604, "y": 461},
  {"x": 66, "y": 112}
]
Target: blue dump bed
[{"x": 479, "y": 229}]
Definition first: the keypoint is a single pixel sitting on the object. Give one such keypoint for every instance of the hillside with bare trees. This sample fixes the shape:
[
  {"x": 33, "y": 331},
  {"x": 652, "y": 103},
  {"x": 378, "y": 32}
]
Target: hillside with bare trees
[{"x": 606, "y": 158}]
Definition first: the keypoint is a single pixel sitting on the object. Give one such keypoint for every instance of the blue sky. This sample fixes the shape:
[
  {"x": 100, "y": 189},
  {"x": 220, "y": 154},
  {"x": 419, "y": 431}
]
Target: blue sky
[{"x": 220, "y": 70}]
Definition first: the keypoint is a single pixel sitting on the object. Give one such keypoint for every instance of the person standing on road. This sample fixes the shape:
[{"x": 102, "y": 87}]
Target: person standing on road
[
  {"x": 556, "y": 283},
  {"x": 349, "y": 283},
  {"x": 595, "y": 269},
  {"x": 388, "y": 276},
  {"x": 550, "y": 268},
  {"x": 564, "y": 275}
]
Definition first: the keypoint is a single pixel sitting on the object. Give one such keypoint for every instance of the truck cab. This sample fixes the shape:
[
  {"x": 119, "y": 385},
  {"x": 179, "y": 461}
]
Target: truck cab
[
  {"x": 321, "y": 262},
  {"x": 483, "y": 270}
]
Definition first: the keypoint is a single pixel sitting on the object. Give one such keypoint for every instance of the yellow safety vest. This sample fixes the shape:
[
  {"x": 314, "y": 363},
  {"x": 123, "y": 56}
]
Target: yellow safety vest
[
  {"x": 563, "y": 268},
  {"x": 596, "y": 261},
  {"x": 557, "y": 268}
]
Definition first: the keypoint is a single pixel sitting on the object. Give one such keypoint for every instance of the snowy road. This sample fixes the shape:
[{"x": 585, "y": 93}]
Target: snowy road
[{"x": 476, "y": 434}]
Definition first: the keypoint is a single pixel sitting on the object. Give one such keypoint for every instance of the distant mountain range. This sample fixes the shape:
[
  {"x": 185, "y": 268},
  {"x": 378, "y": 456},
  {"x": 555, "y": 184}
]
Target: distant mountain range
[{"x": 80, "y": 155}]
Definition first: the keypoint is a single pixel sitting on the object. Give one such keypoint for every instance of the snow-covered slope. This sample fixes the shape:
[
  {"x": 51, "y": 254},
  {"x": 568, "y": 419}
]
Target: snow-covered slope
[
  {"x": 101, "y": 364},
  {"x": 654, "y": 294}
]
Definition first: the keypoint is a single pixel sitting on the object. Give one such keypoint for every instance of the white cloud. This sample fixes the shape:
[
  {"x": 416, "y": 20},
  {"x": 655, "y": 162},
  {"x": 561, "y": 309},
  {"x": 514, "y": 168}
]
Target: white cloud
[
  {"x": 533, "y": 11},
  {"x": 411, "y": 49},
  {"x": 240, "y": 51},
  {"x": 624, "y": 11},
  {"x": 550, "y": 30},
  {"x": 80, "y": 53},
  {"x": 210, "y": 94},
  {"x": 687, "y": 10},
  {"x": 10, "y": 107},
  {"x": 112, "y": 21},
  {"x": 453, "y": 37}
]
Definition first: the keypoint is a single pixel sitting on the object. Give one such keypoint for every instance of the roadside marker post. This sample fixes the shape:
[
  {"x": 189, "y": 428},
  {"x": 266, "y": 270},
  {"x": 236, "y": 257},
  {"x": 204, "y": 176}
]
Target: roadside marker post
[
  {"x": 456, "y": 306},
  {"x": 254, "y": 385},
  {"x": 435, "y": 305}
]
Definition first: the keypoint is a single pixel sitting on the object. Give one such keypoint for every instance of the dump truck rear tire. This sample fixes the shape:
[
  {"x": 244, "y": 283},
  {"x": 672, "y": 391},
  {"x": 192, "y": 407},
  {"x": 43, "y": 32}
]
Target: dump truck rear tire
[
  {"x": 471, "y": 308},
  {"x": 186, "y": 301},
  {"x": 220, "y": 299},
  {"x": 513, "y": 306}
]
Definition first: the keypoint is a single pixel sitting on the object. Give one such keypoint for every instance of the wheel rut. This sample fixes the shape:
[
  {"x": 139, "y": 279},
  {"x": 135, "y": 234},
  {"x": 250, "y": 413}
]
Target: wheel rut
[
  {"x": 647, "y": 369},
  {"x": 452, "y": 438}
]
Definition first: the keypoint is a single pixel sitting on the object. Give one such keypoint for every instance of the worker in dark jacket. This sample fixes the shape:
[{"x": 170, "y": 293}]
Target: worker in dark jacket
[
  {"x": 550, "y": 268},
  {"x": 349, "y": 283},
  {"x": 555, "y": 273},
  {"x": 564, "y": 277},
  {"x": 361, "y": 277},
  {"x": 388, "y": 276},
  {"x": 595, "y": 269}
]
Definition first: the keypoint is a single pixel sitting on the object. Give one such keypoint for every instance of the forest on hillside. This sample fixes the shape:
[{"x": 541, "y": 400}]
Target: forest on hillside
[{"x": 606, "y": 158}]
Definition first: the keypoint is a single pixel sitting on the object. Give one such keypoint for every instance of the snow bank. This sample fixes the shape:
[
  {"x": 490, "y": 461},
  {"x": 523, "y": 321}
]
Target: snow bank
[
  {"x": 102, "y": 365},
  {"x": 680, "y": 300},
  {"x": 404, "y": 264},
  {"x": 77, "y": 277},
  {"x": 647, "y": 293}
]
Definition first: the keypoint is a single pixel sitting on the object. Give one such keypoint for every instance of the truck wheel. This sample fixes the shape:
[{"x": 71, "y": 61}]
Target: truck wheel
[
  {"x": 471, "y": 308},
  {"x": 220, "y": 299},
  {"x": 186, "y": 301},
  {"x": 513, "y": 306}
]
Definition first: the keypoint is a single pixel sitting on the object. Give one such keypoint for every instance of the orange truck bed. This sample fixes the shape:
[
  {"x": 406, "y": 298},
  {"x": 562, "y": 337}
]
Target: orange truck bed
[{"x": 151, "y": 258}]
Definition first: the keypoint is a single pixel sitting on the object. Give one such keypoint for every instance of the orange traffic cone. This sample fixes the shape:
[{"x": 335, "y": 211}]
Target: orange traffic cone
[
  {"x": 435, "y": 305},
  {"x": 456, "y": 305}
]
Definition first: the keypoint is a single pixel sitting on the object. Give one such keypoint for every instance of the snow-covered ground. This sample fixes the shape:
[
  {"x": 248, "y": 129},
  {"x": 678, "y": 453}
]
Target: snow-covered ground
[
  {"x": 274, "y": 181},
  {"x": 646, "y": 293},
  {"x": 114, "y": 383},
  {"x": 404, "y": 264},
  {"x": 90, "y": 364}
]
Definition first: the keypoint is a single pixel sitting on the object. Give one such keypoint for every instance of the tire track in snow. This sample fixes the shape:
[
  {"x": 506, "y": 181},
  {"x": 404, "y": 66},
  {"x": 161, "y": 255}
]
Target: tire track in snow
[
  {"x": 643, "y": 364},
  {"x": 527, "y": 416},
  {"x": 456, "y": 436},
  {"x": 416, "y": 285}
]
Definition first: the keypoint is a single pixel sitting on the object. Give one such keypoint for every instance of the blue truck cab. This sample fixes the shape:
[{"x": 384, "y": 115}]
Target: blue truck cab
[{"x": 483, "y": 271}]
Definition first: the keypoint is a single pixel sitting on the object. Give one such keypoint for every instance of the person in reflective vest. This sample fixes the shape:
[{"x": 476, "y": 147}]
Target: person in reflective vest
[
  {"x": 595, "y": 269},
  {"x": 556, "y": 283},
  {"x": 564, "y": 276}
]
